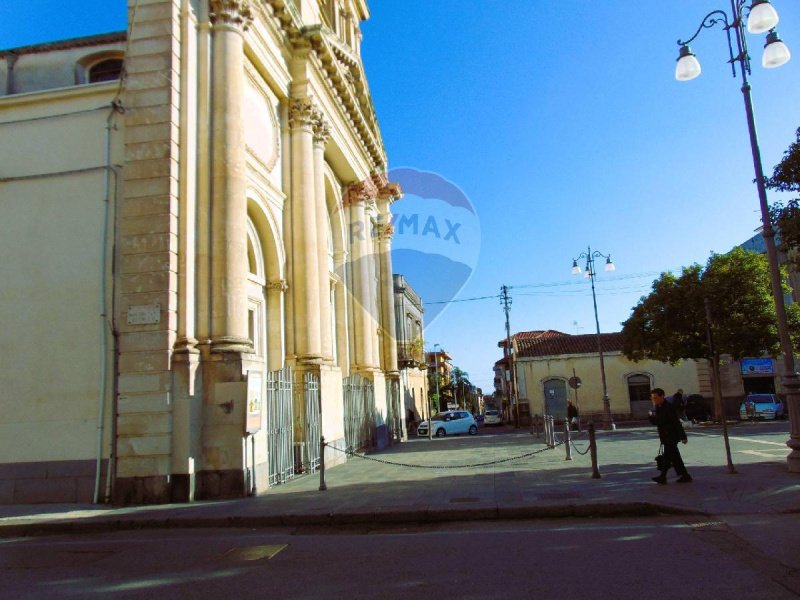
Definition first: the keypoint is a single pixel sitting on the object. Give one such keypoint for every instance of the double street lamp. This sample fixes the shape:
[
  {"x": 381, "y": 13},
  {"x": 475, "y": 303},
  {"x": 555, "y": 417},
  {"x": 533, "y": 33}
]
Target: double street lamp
[
  {"x": 761, "y": 18},
  {"x": 438, "y": 398},
  {"x": 591, "y": 274}
]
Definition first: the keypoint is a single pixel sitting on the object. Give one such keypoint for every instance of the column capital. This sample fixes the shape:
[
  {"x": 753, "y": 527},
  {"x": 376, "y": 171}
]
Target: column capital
[
  {"x": 232, "y": 13},
  {"x": 359, "y": 192},
  {"x": 321, "y": 129},
  {"x": 387, "y": 190},
  {"x": 279, "y": 285},
  {"x": 385, "y": 232},
  {"x": 301, "y": 113}
]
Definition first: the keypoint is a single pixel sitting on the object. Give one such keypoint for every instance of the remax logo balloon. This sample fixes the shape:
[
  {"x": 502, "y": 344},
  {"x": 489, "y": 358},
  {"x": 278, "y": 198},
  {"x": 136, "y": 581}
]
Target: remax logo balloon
[
  {"x": 437, "y": 237},
  {"x": 426, "y": 221}
]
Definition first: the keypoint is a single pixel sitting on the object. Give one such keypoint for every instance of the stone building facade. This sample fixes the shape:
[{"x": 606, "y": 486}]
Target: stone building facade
[
  {"x": 197, "y": 216},
  {"x": 409, "y": 314}
]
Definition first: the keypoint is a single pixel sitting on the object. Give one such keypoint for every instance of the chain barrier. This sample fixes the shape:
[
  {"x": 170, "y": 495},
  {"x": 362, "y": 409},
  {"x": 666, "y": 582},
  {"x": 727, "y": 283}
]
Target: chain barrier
[
  {"x": 413, "y": 466},
  {"x": 585, "y": 452}
]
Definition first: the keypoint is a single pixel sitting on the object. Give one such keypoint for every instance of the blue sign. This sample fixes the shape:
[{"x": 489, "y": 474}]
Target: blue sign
[{"x": 757, "y": 366}]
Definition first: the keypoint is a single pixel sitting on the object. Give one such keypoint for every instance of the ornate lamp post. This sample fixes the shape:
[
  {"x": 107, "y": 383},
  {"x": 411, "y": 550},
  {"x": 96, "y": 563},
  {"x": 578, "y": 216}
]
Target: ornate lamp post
[
  {"x": 761, "y": 17},
  {"x": 438, "y": 398},
  {"x": 608, "y": 421}
]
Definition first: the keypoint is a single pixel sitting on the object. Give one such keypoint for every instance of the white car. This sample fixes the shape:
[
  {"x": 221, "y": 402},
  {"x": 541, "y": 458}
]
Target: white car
[
  {"x": 450, "y": 422},
  {"x": 492, "y": 417}
]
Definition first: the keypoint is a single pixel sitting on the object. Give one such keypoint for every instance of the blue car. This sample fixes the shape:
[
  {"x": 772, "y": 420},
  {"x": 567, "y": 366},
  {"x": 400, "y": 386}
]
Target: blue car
[{"x": 762, "y": 406}]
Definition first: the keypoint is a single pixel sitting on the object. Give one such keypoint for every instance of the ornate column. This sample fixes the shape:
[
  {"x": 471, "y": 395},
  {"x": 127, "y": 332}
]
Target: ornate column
[
  {"x": 230, "y": 18},
  {"x": 359, "y": 240},
  {"x": 305, "y": 273},
  {"x": 321, "y": 136},
  {"x": 388, "y": 193}
]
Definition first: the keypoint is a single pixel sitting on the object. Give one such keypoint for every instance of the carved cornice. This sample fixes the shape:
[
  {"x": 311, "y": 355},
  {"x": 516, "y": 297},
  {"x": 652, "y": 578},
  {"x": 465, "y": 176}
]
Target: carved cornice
[
  {"x": 233, "y": 13},
  {"x": 301, "y": 113},
  {"x": 344, "y": 74}
]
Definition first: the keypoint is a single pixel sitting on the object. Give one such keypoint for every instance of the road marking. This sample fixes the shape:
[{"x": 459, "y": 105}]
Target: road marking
[
  {"x": 759, "y": 453},
  {"x": 740, "y": 439},
  {"x": 256, "y": 552}
]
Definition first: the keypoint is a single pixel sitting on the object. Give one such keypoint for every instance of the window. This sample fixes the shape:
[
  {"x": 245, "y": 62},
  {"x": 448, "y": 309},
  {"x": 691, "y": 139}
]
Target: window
[
  {"x": 639, "y": 387},
  {"x": 106, "y": 70}
]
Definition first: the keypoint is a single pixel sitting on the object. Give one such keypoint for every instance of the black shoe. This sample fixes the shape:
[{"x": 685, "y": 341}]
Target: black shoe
[
  {"x": 661, "y": 480},
  {"x": 684, "y": 479}
]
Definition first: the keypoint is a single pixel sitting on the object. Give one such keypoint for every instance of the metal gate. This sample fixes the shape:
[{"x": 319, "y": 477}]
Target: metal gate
[
  {"x": 280, "y": 429},
  {"x": 393, "y": 414},
  {"x": 313, "y": 428},
  {"x": 359, "y": 412}
]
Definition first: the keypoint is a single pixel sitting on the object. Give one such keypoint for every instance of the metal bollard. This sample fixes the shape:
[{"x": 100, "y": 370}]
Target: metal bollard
[
  {"x": 551, "y": 430},
  {"x": 547, "y": 431},
  {"x": 567, "y": 440},
  {"x": 322, "y": 485},
  {"x": 593, "y": 448}
]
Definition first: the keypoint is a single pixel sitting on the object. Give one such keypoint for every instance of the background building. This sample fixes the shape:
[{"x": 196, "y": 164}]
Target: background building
[
  {"x": 546, "y": 361},
  {"x": 410, "y": 352}
]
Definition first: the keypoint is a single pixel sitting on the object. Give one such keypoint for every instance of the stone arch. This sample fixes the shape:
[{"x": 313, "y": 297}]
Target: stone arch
[
  {"x": 266, "y": 267},
  {"x": 337, "y": 223}
]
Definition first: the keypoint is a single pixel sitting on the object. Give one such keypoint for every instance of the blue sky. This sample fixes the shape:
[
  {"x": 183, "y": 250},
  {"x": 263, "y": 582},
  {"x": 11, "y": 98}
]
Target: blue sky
[{"x": 564, "y": 126}]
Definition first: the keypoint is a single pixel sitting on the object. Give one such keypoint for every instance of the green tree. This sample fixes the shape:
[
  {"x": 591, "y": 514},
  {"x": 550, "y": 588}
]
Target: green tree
[
  {"x": 670, "y": 324},
  {"x": 786, "y": 178}
]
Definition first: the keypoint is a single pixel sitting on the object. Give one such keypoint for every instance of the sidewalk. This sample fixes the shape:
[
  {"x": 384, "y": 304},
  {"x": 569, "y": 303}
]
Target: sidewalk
[{"x": 541, "y": 484}]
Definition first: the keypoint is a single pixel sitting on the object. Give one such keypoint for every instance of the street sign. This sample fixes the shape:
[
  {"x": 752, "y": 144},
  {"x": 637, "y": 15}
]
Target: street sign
[{"x": 574, "y": 382}]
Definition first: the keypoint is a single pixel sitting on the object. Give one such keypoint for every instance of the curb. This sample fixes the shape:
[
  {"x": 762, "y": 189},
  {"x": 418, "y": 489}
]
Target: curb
[{"x": 394, "y": 517}]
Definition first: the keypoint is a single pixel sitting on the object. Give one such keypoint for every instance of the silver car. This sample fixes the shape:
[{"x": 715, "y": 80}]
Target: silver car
[
  {"x": 492, "y": 417},
  {"x": 450, "y": 422}
]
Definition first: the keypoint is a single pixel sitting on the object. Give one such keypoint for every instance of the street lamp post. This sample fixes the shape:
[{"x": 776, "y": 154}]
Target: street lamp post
[
  {"x": 591, "y": 274},
  {"x": 438, "y": 399},
  {"x": 761, "y": 18}
]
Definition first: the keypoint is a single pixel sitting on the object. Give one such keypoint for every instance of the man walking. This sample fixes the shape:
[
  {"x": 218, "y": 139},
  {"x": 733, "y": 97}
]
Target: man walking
[{"x": 670, "y": 432}]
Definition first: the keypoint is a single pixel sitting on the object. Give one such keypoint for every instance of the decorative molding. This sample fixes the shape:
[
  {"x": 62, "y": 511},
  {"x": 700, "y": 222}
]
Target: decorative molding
[
  {"x": 234, "y": 13},
  {"x": 260, "y": 86}
]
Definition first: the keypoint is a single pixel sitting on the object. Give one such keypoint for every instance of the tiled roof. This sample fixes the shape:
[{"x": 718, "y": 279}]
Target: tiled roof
[
  {"x": 568, "y": 344},
  {"x": 532, "y": 335},
  {"x": 92, "y": 40}
]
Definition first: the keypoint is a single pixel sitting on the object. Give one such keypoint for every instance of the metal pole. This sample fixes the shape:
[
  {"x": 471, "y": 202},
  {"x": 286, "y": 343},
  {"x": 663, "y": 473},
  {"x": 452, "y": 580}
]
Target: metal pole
[
  {"x": 608, "y": 420},
  {"x": 790, "y": 383},
  {"x": 512, "y": 383},
  {"x": 593, "y": 449},
  {"x": 322, "y": 485},
  {"x": 567, "y": 440}
]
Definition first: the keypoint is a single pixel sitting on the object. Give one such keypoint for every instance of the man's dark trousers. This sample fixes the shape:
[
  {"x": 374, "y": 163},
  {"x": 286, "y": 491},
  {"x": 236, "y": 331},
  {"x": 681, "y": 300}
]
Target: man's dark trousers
[{"x": 674, "y": 459}]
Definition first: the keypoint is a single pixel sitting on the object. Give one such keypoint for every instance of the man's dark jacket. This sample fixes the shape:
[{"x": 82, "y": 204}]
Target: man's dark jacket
[{"x": 670, "y": 430}]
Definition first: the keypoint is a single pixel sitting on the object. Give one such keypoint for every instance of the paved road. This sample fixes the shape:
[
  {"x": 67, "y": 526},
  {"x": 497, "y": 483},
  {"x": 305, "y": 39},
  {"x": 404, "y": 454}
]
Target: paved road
[{"x": 740, "y": 557}]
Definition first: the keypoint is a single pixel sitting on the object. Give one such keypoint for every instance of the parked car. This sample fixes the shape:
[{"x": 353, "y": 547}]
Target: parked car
[
  {"x": 492, "y": 417},
  {"x": 450, "y": 422},
  {"x": 762, "y": 406},
  {"x": 696, "y": 409}
]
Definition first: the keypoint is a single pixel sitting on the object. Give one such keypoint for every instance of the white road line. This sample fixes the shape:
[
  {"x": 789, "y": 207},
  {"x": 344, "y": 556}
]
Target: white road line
[
  {"x": 759, "y": 453},
  {"x": 739, "y": 439}
]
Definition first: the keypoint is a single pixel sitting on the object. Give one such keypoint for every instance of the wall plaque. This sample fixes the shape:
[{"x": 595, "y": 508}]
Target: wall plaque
[{"x": 144, "y": 314}]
